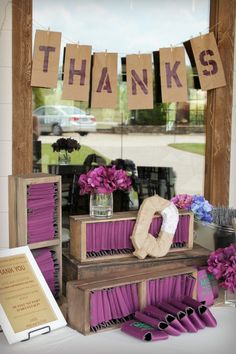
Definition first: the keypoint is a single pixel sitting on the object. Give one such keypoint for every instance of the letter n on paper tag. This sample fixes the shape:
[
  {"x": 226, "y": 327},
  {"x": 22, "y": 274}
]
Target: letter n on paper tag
[
  {"x": 46, "y": 59},
  {"x": 104, "y": 80},
  {"x": 173, "y": 75},
  {"x": 139, "y": 81},
  {"x": 77, "y": 72},
  {"x": 208, "y": 62}
]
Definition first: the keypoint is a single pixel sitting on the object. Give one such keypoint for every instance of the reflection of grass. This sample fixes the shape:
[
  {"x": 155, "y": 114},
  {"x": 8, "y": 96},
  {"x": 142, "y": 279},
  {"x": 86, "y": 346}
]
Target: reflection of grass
[
  {"x": 190, "y": 147},
  {"x": 77, "y": 157}
]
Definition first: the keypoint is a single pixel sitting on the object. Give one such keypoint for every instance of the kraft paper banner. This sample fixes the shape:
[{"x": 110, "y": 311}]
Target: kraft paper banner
[
  {"x": 77, "y": 72},
  {"x": 46, "y": 59},
  {"x": 139, "y": 81},
  {"x": 173, "y": 75},
  {"x": 104, "y": 80},
  {"x": 208, "y": 61}
]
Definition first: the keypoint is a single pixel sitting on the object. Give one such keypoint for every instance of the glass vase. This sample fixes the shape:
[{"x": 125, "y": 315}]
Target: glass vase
[
  {"x": 64, "y": 157},
  {"x": 101, "y": 205},
  {"x": 230, "y": 298}
]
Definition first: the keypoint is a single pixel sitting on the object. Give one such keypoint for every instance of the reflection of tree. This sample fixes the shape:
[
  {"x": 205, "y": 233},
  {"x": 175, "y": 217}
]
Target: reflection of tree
[{"x": 156, "y": 116}]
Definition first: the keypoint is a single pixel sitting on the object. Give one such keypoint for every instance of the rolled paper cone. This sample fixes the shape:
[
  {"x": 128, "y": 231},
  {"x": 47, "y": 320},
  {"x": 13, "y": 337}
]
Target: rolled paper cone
[{"x": 106, "y": 306}]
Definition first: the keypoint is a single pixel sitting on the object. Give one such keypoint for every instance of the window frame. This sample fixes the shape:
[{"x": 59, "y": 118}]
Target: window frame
[{"x": 219, "y": 101}]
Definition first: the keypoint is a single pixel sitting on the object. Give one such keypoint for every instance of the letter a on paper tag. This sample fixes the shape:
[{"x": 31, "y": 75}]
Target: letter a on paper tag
[
  {"x": 104, "y": 80},
  {"x": 173, "y": 75},
  {"x": 139, "y": 81},
  {"x": 46, "y": 59},
  {"x": 208, "y": 62},
  {"x": 77, "y": 72}
]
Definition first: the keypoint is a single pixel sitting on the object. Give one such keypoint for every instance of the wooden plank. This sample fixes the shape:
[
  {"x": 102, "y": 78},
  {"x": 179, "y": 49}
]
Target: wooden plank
[
  {"x": 22, "y": 122},
  {"x": 219, "y": 107},
  {"x": 12, "y": 220},
  {"x": 134, "y": 277}
]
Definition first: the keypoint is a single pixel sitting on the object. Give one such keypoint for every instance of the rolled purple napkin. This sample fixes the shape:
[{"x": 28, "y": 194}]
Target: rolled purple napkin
[
  {"x": 181, "y": 315},
  {"x": 203, "y": 311},
  {"x": 143, "y": 331},
  {"x": 153, "y": 311},
  {"x": 154, "y": 322},
  {"x": 192, "y": 314}
]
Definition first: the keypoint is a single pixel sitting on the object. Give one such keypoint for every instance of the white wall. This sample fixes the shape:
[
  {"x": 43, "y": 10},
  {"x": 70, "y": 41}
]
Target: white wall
[
  {"x": 232, "y": 190},
  {"x": 5, "y": 114}
]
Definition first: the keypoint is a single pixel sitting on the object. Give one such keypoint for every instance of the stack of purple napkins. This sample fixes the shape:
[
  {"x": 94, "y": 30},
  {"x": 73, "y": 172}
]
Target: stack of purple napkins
[
  {"x": 112, "y": 306},
  {"x": 47, "y": 262},
  {"x": 169, "y": 318},
  {"x": 41, "y": 206}
]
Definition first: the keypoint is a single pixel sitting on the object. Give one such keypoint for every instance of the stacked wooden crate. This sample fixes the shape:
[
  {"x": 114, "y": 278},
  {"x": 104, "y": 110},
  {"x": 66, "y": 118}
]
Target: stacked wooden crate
[{"x": 19, "y": 215}]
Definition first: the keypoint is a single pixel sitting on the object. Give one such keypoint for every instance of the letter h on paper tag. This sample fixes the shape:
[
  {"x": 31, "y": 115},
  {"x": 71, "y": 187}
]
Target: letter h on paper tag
[{"x": 77, "y": 72}]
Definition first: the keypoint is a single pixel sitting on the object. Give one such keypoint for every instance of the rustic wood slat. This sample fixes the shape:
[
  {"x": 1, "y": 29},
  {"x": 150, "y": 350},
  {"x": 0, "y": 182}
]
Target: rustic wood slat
[
  {"x": 219, "y": 107},
  {"x": 22, "y": 121}
]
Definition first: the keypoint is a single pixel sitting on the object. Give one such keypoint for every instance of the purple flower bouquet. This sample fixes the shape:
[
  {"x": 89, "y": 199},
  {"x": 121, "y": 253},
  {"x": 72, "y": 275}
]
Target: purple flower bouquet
[
  {"x": 201, "y": 208},
  {"x": 101, "y": 182},
  {"x": 222, "y": 264},
  {"x": 104, "y": 180}
]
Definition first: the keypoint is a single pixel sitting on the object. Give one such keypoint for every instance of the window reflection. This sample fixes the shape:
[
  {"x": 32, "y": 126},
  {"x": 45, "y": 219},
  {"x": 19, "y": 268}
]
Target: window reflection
[{"x": 167, "y": 142}]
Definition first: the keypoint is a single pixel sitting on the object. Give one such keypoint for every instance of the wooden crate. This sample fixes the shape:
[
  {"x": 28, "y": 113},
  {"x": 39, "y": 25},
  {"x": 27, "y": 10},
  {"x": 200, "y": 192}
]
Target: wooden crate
[
  {"x": 18, "y": 214},
  {"x": 78, "y": 293},
  {"x": 75, "y": 270},
  {"x": 78, "y": 228}
]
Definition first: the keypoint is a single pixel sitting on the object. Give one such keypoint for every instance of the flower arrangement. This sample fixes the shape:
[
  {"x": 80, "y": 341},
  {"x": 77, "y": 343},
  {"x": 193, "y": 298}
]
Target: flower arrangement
[
  {"x": 201, "y": 208},
  {"x": 68, "y": 145},
  {"x": 222, "y": 264},
  {"x": 104, "y": 180}
]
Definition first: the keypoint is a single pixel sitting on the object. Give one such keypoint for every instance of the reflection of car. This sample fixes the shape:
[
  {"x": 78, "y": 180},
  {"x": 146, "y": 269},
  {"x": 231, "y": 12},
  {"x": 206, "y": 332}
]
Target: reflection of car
[{"x": 59, "y": 119}]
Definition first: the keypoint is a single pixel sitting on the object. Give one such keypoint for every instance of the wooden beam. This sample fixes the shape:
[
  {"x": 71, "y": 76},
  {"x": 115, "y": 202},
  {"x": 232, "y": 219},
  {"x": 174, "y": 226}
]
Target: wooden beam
[
  {"x": 22, "y": 154},
  {"x": 219, "y": 107}
]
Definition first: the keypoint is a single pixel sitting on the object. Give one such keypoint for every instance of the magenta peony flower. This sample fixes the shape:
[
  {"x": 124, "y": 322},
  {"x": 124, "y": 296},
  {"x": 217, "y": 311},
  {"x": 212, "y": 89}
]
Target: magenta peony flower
[
  {"x": 183, "y": 201},
  {"x": 222, "y": 264},
  {"x": 104, "y": 180}
]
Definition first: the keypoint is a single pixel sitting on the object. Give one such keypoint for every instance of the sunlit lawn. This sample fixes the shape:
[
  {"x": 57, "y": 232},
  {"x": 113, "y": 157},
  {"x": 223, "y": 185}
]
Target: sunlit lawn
[{"x": 196, "y": 148}]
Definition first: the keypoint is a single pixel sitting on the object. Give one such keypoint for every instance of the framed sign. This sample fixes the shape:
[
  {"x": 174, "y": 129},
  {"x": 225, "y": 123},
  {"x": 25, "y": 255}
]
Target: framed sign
[{"x": 27, "y": 306}]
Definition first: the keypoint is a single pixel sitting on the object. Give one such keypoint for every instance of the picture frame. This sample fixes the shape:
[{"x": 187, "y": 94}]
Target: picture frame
[{"x": 27, "y": 306}]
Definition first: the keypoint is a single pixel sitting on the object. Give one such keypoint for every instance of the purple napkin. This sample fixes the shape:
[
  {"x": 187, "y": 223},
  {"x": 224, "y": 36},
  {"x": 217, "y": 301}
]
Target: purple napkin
[{"x": 143, "y": 331}]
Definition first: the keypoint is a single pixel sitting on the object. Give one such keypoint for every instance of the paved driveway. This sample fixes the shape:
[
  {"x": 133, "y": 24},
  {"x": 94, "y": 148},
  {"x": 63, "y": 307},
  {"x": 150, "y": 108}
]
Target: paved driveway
[{"x": 152, "y": 150}]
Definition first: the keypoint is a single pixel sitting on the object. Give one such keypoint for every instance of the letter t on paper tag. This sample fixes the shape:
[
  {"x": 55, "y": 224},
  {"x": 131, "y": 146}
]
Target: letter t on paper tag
[
  {"x": 104, "y": 80},
  {"x": 173, "y": 75},
  {"x": 46, "y": 59},
  {"x": 77, "y": 72}
]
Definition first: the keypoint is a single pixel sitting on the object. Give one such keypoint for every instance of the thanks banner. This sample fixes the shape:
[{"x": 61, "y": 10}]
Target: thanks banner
[
  {"x": 46, "y": 59},
  {"x": 104, "y": 80},
  {"x": 208, "y": 62},
  {"x": 77, "y": 72},
  {"x": 139, "y": 81},
  {"x": 169, "y": 63},
  {"x": 173, "y": 75}
]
